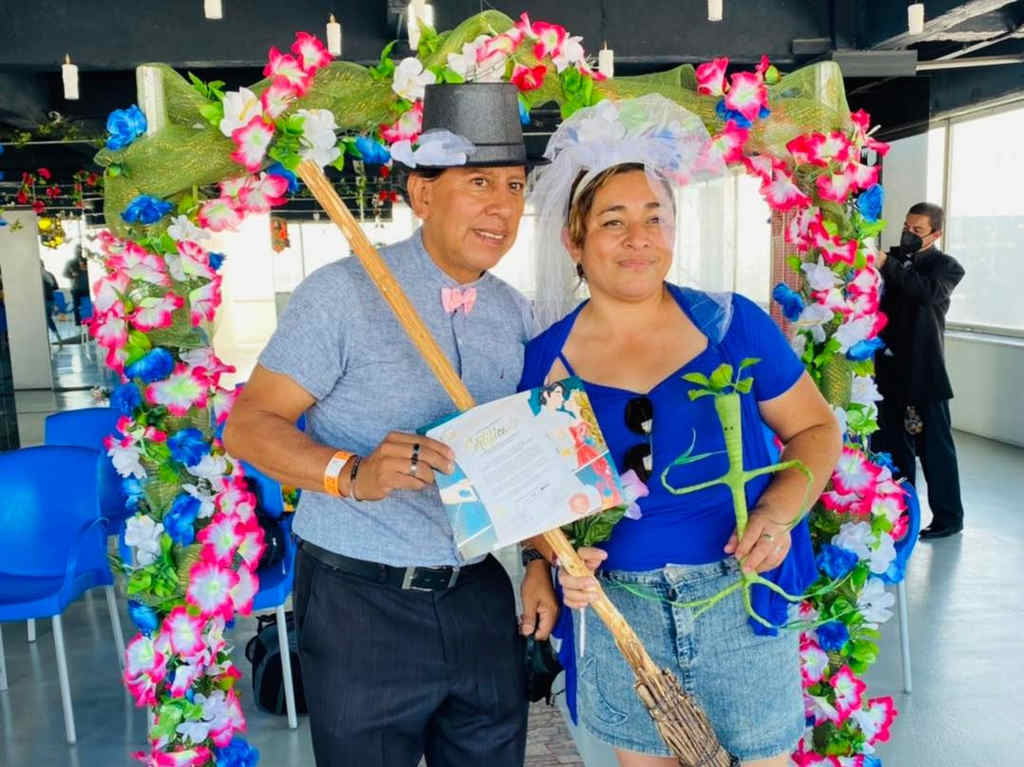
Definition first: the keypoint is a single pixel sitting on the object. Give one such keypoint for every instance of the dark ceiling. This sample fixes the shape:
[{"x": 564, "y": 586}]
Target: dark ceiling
[{"x": 109, "y": 39}]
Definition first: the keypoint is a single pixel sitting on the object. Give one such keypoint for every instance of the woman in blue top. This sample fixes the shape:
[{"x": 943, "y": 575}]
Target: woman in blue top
[{"x": 612, "y": 170}]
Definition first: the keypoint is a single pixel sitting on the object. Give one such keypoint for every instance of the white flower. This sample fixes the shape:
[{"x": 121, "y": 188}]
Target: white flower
[
  {"x": 239, "y": 108},
  {"x": 853, "y": 331},
  {"x": 125, "y": 458},
  {"x": 211, "y": 467},
  {"x": 882, "y": 554},
  {"x": 799, "y": 344},
  {"x": 857, "y": 537},
  {"x": 874, "y": 602},
  {"x": 143, "y": 535},
  {"x": 183, "y": 229},
  {"x": 195, "y": 730},
  {"x": 840, "y": 414},
  {"x": 820, "y": 276},
  {"x": 439, "y": 148},
  {"x": 812, "y": 318},
  {"x": 318, "y": 140},
  {"x": 205, "y": 498},
  {"x": 464, "y": 63},
  {"x": 571, "y": 52},
  {"x": 411, "y": 79},
  {"x": 864, "y": 391}
]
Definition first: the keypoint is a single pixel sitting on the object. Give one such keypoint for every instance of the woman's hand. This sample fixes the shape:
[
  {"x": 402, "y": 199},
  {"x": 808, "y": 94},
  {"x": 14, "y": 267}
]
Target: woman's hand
[
  {"x": 401, "y": 462},
  {"x": 765, "y": 543},
  {"x": 580, "y": 591}
]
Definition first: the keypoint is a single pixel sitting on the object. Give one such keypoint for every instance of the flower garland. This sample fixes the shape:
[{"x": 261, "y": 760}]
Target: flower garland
[{"x": 193, "y": 538}]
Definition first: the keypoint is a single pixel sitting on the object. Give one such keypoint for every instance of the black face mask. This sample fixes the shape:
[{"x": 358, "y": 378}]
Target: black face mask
[{"x": 910, "y": 243}]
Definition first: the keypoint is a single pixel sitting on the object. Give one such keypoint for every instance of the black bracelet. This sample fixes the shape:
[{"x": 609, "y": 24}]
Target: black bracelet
[
  {"x": 356, "y": 460},
  {"x": 530, "y": 555}
]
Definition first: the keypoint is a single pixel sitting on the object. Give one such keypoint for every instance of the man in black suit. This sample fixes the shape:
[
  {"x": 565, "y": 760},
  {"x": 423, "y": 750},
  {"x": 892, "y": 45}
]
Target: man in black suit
[{"x": 913, "y": 418}]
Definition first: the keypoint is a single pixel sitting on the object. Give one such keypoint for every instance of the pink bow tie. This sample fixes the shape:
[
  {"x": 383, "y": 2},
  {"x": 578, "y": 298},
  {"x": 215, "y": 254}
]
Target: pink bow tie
[{"x": 453, "y": 298}]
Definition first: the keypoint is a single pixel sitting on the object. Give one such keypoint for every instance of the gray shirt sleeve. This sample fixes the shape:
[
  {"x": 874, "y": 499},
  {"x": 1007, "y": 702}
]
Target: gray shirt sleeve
[{"x": 310, "y": 345}]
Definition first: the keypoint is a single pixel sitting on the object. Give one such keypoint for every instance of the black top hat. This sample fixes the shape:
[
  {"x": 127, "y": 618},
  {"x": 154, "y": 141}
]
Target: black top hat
[{"x": 486, "y": 114}]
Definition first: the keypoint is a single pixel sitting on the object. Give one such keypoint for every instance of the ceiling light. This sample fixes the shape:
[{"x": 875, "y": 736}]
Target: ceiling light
[
  {"x": 69, "y": 73},
  {"x": 915, "y": 18},
  {"x": 213, "y": 9},
  {"x": 333, "y": 36},
  {"x": 715, "y": 10}
]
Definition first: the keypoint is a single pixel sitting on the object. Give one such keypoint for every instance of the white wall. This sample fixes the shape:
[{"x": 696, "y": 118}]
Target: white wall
[{"x": 23, "y": 301}]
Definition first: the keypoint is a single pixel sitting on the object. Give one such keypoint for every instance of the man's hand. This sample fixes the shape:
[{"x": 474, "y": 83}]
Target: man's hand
[
  {"x": 540, "y": 606},
  {"x": 401, "y": 462}
]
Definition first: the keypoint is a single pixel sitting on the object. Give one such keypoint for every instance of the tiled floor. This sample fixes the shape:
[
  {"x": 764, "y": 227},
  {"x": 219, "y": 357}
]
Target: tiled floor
[{"x": 966, "y": 635}]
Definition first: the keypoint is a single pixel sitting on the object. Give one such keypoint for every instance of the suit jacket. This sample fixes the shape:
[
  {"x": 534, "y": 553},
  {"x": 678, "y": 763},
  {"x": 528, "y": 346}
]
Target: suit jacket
[{"x": 916, "y": 298}]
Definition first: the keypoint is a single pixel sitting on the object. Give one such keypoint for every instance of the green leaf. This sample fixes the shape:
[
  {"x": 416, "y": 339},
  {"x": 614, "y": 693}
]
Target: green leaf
[
  {"x": 794, "y": 262},
  {"x": 139, "y": 582},
  {"x": 213, "y": 113},
  {"x": 697, "y": 378},
  {"x": 199, "y": 86},
  {"x": 695, "y": 394},
  {"x": 721, "y": 377},
  {"x": 747, "y": 362},
  {"x": 743, "y": 387},
  {"x": 339, "y": 162}
]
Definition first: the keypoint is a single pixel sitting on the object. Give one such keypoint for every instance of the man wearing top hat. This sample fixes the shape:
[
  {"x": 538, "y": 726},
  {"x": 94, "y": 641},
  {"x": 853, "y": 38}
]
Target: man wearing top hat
[{"x": 406, "y": 649}]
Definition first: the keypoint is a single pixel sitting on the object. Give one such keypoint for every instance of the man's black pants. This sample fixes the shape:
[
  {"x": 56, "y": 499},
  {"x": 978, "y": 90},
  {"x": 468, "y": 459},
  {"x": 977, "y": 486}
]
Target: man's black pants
[
  {"x": 937, "y": 451},
  {"x": 391, "y": 675}
]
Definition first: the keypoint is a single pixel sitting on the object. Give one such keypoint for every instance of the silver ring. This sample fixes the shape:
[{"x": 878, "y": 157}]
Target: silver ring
[
  {"x": 413, "y": 464},
  {"x": 769, "y": 536}
]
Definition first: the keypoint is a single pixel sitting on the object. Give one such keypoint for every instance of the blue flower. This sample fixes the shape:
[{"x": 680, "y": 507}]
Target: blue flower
[
  {"x": 216, "y": 259},
  {"x": 864, "y": 350},
  {"x": 895, "y": 573},
  {"x": 188, "y": 446},
  {"x": 146, "y": 209},
  {"x": 143, "y": 616},
  {"x": 237, "y": 753},
  {"x": 155, "y": 365},
  {"x": 791, "y": 302},
  {"x": 872, "y": 761},
  {"x": 836, "y": 561},
  {"x": 725, "y": 114},
  {"x": 124, "y": 126},
  {"x": 870, "y": 202},
  {"x": 2, "y": 222},
  {"x": 832, "y": 636},
  {"x": 373, "y": 152},
  {"x": 277, "y": 169},
  {"x": 132, "y": 489},
  {"x": 126, "y": 398},
  {"x": 885, "y": 459},
  {"x": 524, "y": 113},
  {"x": 180, "y": 521}
]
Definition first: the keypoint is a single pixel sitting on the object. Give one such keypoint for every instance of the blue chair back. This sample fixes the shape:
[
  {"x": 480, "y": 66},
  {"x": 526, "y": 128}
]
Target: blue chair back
[
  {"x": 88, "y": 427},
  {"x": 61, "y": 302},
  {"x": 49, "y": 496},
  {"x": 905, "y": 546},
  {"x": 85, "y": 307}
]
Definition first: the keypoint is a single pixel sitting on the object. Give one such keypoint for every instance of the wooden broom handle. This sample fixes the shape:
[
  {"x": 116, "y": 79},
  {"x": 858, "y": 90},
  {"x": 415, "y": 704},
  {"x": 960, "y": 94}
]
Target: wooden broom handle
[{"x": 413, "y": 324}]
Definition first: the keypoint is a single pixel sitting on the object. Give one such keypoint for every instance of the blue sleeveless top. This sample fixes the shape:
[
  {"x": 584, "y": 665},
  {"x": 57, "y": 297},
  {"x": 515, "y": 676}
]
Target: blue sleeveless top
[{"x": 691, "y": 529}]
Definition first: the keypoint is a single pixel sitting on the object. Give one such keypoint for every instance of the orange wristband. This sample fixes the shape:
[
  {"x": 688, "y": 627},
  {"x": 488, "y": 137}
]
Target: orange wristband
[{"x": 333, "y": 471}]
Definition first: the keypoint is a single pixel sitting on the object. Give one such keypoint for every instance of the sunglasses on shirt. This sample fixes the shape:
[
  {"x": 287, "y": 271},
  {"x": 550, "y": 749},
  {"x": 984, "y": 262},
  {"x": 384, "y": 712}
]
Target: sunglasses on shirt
[{"x": 639, "y": 417}]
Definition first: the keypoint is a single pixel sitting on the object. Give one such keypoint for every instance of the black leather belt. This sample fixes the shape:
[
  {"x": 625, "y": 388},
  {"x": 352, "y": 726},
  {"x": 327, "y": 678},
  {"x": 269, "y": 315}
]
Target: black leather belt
[{"x": 411, "y": 578}]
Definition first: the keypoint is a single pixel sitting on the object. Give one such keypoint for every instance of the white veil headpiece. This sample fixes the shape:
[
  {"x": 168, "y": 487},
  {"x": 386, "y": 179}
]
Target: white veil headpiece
[{"x": 669, "y": 141}]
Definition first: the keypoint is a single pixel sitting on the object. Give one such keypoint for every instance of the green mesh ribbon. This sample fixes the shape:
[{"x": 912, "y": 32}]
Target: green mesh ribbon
[{"x": 188, "y": 152}]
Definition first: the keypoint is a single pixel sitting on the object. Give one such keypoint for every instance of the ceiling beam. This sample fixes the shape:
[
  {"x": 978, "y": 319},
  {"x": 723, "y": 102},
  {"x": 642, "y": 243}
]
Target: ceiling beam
[{"x": 940, "y": 24}]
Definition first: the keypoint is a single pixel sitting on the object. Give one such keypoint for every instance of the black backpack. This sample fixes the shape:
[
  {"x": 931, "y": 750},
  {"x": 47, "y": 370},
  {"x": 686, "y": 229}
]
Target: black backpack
[{"x": 264, "y": 654}]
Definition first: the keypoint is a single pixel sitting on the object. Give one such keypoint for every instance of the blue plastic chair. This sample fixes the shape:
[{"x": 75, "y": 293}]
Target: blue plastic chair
[
  {"x": 54, "y": 545},
  {"x": 61, "y": 302},
  {"x": 88, "y": 427},
  {"x": 276, "y": 581}
]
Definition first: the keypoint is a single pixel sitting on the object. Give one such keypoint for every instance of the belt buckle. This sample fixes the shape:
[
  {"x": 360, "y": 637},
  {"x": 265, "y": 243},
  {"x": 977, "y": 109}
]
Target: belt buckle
[{"x": 428, "y": 578}]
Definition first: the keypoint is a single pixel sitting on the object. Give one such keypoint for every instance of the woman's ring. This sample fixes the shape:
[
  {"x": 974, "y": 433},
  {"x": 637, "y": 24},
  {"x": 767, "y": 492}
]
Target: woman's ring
[{"x": 769, "y": 536}]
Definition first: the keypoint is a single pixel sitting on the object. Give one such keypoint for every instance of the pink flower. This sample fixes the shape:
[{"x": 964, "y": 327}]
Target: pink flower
[
  {"x": 109, "y": 328},
  {"x": 492, "y": 53},
  {"x": 747, "y": 94},
  {"x": 288, "y": 68},
  {"x": 866, "y": 282},
  {"x": 857, "y": 760},
  {"x": 219, "y": 214},
  {"x": 876, "y": 718},
  {"x": 863, "y": 176},
  {"x": 798, "y": 231},
  {"x": 728, "y": 144},
  {"x": 109, "y": 290},
  {"x": 232, "y": 722},
  {"x": 862, "y": 126},
  {"x": 220, "y": 538},
  {"x": 184, "y": 632},
  {"x": 153, "y": 313},
  {"x": 185, "y": 676},
  {"x": 192, "y": 262},
  {"x": 251, "y": 142},
  {"x": 835, "y": 187},
  {"x": 804, "y": 758},
  {"x": 782, "y": 194},
  {"x": 140, "y": 264},
  {"x": 184, "y": 389},
  {"x": 277, "y": 98},
  {"x": 222, "y": 401},
  {"x": 849, "y": 692},
  {"x": 245, "y": 590},
  {"x": 762, "y": 165},
  {"x": 819, "y": 149},
  {"x": 854, "y": 473},
  {"x": 833, "y": 248},
  {"x": 711, "y": 77},
  {"x": 236, "y": 499},
  {"x": 142, "y": 657},
  {"x": 259, "y": 195},
  {"x": 185, "y": 757},
  {"x": 813, "y": 661},
  {"x": 209, "y": 589},
  {"x": 405, "y": 128},
  {"x": 204, "y": 300},
  {"x": 250, "y": 543},
  {"x": 839, "y": 503},
  {"x": 528, "y": 78},
  {"x": 549, "y": 38},
  {"x": 312, "y": 53}
]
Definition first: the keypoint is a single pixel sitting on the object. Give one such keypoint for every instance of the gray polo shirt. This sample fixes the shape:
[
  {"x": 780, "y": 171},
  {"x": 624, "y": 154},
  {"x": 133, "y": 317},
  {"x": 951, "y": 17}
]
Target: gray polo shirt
[{"x": 340, "y": 341}]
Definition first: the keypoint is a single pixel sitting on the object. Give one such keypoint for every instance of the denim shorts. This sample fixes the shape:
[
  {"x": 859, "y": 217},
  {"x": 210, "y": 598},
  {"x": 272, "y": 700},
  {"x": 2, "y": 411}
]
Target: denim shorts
[{"x": 747, "y": 684}]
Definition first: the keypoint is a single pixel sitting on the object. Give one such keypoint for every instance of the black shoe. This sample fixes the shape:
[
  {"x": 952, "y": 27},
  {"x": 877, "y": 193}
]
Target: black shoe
[{"x": 932, "y": 532}]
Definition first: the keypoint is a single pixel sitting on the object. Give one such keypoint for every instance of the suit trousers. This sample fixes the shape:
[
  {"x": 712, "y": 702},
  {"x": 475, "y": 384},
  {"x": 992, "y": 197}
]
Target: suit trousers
[
  {"x": 391, "y": 675},
  {"x": 935, "y": 447}
]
